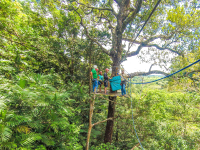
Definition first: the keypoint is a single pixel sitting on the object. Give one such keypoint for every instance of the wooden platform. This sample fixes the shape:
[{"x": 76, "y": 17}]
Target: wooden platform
[{"x": 109, "y": 94}]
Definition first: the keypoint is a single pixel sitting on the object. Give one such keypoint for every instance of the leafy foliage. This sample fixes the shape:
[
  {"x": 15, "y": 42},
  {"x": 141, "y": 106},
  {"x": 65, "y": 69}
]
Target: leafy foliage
[
  {"x": 44, "y": 66},
  {"x": 36, "y": 114},
  {"x": 163, "y": 120},
  {"x": 187, "y": 80}
]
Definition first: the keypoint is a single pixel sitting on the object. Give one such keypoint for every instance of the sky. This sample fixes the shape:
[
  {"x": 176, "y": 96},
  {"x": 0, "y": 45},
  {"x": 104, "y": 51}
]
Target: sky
[{"x": 135, "y": 64}]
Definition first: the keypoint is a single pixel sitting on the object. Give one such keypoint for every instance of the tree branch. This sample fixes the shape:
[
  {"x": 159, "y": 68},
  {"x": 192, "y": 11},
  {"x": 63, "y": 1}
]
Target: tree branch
[
  {"x": 132, "y": 14},
  {"x": 131, "y": 75},
  {"x": 191, "y": 72},
  {"x": 109, "y": 22},
  {"x": 135, "y": 52},
  {"x": 145, "y": 44},
  {"x": 162, "y": 48},
  {"x": 187, "y": 75},
  {"x": 135, "y": 146},
  {"x": 102, "y": 121},
  {"x": 149, "y": 39},
  {"x": 92, "y": 39},
  {"x": 118, "y": 1},
  {"x": 115, "y": 14},
  {"x": 20, "y": 43},
  {"x": 100, "y": 9},
  {"x": 151, "y": 67}
]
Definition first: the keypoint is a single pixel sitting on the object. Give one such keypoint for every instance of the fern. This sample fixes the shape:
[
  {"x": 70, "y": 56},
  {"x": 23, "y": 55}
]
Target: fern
[
  {"x": 2, "y": 103},
  {"x": 8, "y": 145},
  {"x": 30, "y": 138},
  {"x": 48, "y": 140},
  {"x": 5, "y": 133},
  {"x": 38, "y": 114},
  {"x": 23, "y": 129}
]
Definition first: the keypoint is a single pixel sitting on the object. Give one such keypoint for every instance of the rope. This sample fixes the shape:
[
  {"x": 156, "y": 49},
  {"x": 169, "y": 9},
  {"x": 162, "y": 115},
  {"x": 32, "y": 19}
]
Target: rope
[
  {"x": 170, "y": 74},
  {"x": 133, "y": 120},
  {"x": 151, "y": 82},
  {"x": 148, "y": 19},
  {"x": 167, "y": 75}
]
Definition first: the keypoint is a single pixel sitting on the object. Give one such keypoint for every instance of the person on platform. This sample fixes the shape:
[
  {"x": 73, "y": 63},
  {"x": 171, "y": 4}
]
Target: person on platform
[
  {"x": 123, "y": 82},
  {"x": 106, "y": 80},
  {"x": 94, "y": 76},
  {"x": 100, "y": 82}
]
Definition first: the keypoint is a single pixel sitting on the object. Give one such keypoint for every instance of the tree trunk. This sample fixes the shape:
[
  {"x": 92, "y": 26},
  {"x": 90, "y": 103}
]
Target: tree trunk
[
  {"x": 110, "y": 123},
  {"x": 111, "y": 108},
  {"x": 116, "y": 53}
]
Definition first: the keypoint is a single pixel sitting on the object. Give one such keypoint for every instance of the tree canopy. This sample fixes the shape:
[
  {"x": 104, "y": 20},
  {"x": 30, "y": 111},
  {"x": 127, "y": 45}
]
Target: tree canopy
[{"x": 48, "y": 48}]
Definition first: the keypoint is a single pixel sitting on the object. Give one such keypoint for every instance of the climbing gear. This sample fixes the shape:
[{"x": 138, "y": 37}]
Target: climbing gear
[
  {"x": 100, "y": 82},
  {"x": 133, "y": 120},
  {"x": 105, "y": 83}
]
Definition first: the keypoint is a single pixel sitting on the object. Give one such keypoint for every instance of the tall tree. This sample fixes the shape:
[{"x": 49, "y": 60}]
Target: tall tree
[
  {"x": 113, "y": 25},
  {"x": 170, "y": 29}
]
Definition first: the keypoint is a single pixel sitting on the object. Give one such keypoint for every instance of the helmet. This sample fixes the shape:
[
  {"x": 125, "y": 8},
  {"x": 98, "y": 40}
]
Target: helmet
[
  {"x": 96, "y": 69},
  {"x": 106, "y": 69},
  {"x": 100, "y": 71}
]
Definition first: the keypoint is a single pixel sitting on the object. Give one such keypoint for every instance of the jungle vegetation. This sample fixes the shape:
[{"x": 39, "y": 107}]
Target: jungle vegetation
[{"x": 48, "y": 48}]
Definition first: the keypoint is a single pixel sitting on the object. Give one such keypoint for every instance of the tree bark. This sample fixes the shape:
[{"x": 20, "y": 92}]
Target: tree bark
[
  {"x": 116, "y": 57},
  {"x": 110, "y": 123},
  {"x": 124, "y": 17}
]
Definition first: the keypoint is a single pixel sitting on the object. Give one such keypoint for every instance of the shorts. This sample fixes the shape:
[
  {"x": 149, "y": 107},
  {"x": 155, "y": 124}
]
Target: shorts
[
  {"x": 123, "y": 82},
  {"x": 100, "y": 83},
  {"x": 106, "y": 83}
]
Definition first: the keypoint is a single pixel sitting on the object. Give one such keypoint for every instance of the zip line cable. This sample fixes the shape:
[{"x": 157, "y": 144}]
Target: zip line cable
[
  {"x": 148, "y": 19},
  {"x": 165, "y": 76},
  {"x": 151, "y": 82},
  {"x": 154, "y": 80},
  {"x": 170, "y": 74},
  {"x": 133, "y": 120}
]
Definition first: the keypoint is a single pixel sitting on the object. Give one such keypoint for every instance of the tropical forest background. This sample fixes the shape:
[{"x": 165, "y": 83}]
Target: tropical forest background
[{"x": 45, "y": 61}]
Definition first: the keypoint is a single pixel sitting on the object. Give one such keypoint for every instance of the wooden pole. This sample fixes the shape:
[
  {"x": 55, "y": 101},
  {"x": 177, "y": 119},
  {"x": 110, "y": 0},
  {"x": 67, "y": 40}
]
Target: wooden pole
[
  {"x": 90, "y": 122},
  {"x": 90, "y": 53}
]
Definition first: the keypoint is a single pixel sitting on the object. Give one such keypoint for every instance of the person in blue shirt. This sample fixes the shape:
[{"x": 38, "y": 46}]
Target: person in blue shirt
[{"x": 100, "y": 82}]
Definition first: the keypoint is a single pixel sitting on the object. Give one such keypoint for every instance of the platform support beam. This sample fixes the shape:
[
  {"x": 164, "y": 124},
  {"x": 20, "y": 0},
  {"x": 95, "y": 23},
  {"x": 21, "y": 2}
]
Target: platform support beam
[
  {"x": 90, "y": 122},
  {"x": 92, "y": 101}
]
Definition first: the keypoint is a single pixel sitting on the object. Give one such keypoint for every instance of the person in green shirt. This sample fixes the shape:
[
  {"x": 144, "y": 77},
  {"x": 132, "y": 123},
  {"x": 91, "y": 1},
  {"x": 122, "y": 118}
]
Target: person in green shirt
[
  {"x": 93, "y": 74},
  {"x": 100, "y": 82}
]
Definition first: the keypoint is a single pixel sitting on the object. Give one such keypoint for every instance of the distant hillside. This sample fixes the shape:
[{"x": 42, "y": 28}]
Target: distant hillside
[{"x": 155, "y": 75}]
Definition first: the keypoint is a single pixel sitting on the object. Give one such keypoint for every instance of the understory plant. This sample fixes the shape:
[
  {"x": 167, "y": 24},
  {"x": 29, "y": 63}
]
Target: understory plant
[{"x": 36, "y": 113}]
